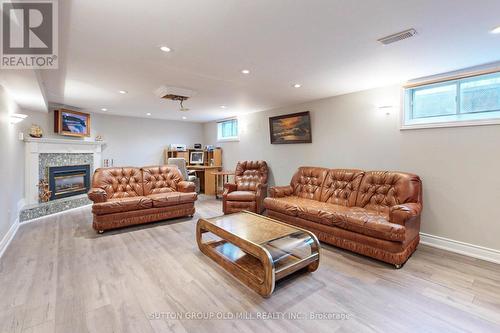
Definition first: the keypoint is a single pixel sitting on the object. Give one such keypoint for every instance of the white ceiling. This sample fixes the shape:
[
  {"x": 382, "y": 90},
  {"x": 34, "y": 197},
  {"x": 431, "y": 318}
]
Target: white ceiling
[
  {"x": 25, "y": 88},
  {"x": 329, "y": 46}
]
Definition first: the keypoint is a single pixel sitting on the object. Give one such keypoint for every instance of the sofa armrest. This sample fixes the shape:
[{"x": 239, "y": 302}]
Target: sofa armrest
[
  {"x": 228, "y": 188},
  {"x": 280, "y": 191},
  {"x": 260, "y": 195},
  {"x": 261, "y": 188},
  {"x": 186, "y": 187},
  {"x": 399, "y": 214},
  {"x": 97, "y": 195},
  {"x": 261, "y": 191}
]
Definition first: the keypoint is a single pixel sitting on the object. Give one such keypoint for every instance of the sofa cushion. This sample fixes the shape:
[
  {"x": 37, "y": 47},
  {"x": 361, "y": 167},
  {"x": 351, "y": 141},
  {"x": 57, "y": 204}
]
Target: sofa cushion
[
  {"x": 320, "y": 212},
  {"x": 119, "y": 205},
  {"x": 341, "y": 186},
  {"x": 380, "y": 190},
  {"x": 287, "y": 205},
  {"x": 119, "y": 182},
  {"x": 349, "y": 218},
  {"x": 307, "y": 182},
  {"x": 172, "y": 198},
  {"x": 355, "y": 219},
  {"x": 161, "y": 179},
  {"x": 241, "y": 196}
]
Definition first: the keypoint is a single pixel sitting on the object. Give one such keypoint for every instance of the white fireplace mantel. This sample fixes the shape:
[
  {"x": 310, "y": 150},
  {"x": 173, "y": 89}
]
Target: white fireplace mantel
[{"x": 35, "y": 147}]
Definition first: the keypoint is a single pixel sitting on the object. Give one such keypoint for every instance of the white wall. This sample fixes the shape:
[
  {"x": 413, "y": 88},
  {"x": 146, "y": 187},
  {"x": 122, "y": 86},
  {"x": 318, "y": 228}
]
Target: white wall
[
  {"x": 459, "y": 166},
  {"x": 139, "y": 141},
  {"x": 11, "y": 166},
  {"x": 129, "y": 141}
]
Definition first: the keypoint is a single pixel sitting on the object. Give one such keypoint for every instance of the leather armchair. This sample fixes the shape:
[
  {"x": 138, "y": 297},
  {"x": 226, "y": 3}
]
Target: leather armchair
[{"x": 249, "y": 189}]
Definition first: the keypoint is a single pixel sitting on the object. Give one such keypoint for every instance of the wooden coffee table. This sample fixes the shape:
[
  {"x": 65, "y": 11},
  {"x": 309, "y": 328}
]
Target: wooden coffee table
[{"x": 256, "y": 249}]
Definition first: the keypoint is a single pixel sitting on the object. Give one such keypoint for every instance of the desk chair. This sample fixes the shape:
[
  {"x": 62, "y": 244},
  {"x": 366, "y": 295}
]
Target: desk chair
[{"x": 190, "y": 176}]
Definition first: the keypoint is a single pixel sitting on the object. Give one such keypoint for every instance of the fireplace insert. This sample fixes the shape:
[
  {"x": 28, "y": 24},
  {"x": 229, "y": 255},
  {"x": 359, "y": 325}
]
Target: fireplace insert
[{"x": 66, "y": 181}]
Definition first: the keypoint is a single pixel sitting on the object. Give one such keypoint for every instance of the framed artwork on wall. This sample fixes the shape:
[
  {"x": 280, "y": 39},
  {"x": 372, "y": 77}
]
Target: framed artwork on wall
[
  {"x": 291, "y": 128},
  {"x": 71, "y": 123}
]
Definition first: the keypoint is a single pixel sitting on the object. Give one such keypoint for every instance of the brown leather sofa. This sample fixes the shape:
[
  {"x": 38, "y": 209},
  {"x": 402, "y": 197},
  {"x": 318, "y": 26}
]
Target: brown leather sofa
[
  {"x": 129, "y": 196},
  {"x": 249, "y": 188},
  {"x": 374, "y": 213}
]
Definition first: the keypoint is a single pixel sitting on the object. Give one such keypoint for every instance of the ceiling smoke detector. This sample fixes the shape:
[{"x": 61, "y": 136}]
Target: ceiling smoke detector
[
  {"x": 398, "y": 36},
  {"x": 175, "y": 94}
]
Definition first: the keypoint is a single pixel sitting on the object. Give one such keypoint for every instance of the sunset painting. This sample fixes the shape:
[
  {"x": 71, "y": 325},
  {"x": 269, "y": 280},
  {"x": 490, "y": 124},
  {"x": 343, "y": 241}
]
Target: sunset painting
[{"x": 291, "y": 128}]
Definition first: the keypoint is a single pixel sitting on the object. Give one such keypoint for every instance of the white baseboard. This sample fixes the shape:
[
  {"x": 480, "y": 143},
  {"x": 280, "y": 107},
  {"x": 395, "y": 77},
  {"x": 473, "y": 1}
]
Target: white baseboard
[
  {"x": 467, "y": 249},
  {"x": 4, "y": 243}
]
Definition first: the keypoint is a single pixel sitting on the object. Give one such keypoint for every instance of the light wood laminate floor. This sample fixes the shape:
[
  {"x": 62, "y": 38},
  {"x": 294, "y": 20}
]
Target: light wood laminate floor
[{"x": 58, "y": 275}]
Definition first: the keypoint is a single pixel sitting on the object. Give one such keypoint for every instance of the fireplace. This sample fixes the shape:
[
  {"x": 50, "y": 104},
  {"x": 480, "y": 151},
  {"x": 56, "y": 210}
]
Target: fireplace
[{"x": 66, "y": 181}]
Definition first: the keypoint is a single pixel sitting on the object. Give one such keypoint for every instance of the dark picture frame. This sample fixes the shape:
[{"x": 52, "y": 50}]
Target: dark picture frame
[
  {"x": 291, "y": 128},
  {"x": 71, "y": 123}
]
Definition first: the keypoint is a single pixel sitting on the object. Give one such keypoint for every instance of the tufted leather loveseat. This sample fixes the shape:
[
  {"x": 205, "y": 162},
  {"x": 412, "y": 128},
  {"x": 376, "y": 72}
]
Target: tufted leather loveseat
[
  {"x": 129, "y": 196},
  {"x": 375, "y": 213},
  {"x": 249, "y": 188}
]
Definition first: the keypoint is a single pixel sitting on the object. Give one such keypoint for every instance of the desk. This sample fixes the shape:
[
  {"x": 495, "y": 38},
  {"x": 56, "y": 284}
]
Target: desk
[
  {"x": 225, "y": 179},
  {"x": 207, "y": 179}
]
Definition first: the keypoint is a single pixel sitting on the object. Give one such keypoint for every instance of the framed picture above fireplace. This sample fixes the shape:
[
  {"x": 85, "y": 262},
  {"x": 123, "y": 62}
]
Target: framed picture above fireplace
[{"x": 71, "y": 123}]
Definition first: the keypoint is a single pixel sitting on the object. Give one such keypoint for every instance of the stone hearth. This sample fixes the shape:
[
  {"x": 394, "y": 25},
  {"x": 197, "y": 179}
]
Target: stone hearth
[
  {"x": 30, "y": 212},
  {"x": 44, "y": 153}
]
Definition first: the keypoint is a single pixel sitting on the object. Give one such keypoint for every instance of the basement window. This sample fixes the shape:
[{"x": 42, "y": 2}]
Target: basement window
[
  {"x": 227, "y": 130},
  {"x": 465, "y": 101}
]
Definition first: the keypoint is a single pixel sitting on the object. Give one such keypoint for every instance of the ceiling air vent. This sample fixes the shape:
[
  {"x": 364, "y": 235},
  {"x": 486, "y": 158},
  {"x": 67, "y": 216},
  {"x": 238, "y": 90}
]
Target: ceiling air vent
[
  {"x": 175, "y": 94},
  {"x": 398, "y": 36}
]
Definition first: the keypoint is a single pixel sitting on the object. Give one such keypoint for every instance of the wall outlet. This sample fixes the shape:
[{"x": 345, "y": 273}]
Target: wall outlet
[{"x": 21, "y": 136}]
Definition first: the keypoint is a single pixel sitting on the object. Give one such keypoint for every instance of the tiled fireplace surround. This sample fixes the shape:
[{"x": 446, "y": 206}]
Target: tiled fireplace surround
[{"x": 43, "y": 153}]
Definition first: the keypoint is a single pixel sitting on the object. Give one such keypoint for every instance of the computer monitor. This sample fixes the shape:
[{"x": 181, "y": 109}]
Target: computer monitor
[{"x": 196, "y": 157}]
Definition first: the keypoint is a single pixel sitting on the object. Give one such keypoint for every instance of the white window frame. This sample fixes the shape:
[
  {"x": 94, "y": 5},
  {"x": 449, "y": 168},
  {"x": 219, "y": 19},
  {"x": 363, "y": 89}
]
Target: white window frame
[
  {"x": 227, "y": 139},
  {"x": 458, "y": 120}
]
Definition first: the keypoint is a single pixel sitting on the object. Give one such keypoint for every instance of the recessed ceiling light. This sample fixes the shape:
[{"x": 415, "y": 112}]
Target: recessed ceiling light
[
  {"x": 123, "y": 92},
  {"x": 104, "y": 109},
  {"x": 184, "y": 118},
  {"x": 245, "y": 71},
  {"x": 297, "y": 85},
  {"x": 223, "y": 106},
  {"x": 165, "y": 49},
  {"x": 148, "y": 114},
  {"x": 496, "y": 30}
]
